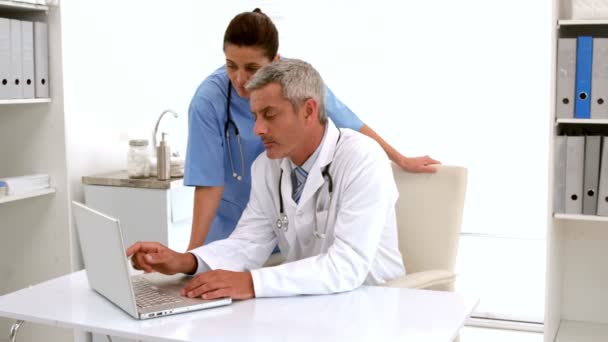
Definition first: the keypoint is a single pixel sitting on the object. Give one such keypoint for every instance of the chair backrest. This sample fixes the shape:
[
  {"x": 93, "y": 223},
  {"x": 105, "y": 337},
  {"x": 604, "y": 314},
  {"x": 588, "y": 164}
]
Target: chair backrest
[{"x": 429, "y": 216}]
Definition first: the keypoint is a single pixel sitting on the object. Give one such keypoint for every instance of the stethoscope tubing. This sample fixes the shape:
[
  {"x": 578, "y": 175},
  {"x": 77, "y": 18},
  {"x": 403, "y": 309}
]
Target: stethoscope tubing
[
  {"x": 282, "y": 222},
  {"x": 230, "y": 121}
]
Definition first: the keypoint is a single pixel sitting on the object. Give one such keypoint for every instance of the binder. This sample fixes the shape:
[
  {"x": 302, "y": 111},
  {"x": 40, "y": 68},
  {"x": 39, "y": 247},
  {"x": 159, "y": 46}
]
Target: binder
[
  {"x": 41, "y": 59},
  {"x": 27, "y": 54},
  {"x": 602, "y": 201},
  {"x": 559, "y": 189},
  {"x": 591, "y": 174},
  {"x": 566, "y": 71},
  {"x": 575, "y": 159},
  {"x": 584, "y": 60},
  {"x": 599, "y": 79},
  {"x": 5, "y": 57},
  {"x": 15, "y": 84}
]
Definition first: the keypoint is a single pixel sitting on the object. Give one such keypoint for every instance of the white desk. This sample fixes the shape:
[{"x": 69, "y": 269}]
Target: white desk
[{"x": 366, "y": 314}]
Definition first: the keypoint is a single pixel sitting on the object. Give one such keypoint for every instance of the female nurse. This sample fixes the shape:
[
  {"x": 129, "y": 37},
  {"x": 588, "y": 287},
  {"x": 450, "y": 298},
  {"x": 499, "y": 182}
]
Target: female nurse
[{"x": 221, "y": 142}]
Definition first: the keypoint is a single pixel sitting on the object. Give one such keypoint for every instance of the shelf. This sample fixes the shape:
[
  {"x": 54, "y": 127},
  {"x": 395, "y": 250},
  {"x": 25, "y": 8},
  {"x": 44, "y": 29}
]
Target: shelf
[
  {"x": 583, "y": 121},
  {"x": 11, "y": 198},
  {"x": 582, "y": 22},
  {"x": 25, "y": 101},
  {"x": 575, "y": 217},
  {"x": 22, "y": 6},
  {"x": 571, "y": 331}
]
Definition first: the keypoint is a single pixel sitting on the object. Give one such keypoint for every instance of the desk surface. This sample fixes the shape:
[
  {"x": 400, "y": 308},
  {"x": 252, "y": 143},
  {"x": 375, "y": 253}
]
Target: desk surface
[
  {"x": 366, "y": 314},
  {"x": 121, "y": 178}
]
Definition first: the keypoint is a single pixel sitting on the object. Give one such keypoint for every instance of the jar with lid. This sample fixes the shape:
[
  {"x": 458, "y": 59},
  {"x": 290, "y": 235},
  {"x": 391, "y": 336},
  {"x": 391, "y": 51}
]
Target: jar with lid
[{"x": 138, "y": 159}]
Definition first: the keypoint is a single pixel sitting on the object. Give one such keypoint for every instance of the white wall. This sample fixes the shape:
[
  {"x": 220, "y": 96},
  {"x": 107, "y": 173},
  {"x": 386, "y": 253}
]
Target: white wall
[
  {"x": 122, "y": 66},
  {"x": 124, "y": 62},
  {"x": 465, "y": 82}
]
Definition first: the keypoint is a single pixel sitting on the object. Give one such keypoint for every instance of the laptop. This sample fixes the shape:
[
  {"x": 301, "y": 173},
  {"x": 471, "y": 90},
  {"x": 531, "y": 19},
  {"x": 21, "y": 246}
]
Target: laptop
[{"x": 142, "y": 296}]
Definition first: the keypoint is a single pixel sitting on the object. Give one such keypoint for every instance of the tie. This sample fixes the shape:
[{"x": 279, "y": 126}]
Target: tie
[{"x": 298, "y": 179}]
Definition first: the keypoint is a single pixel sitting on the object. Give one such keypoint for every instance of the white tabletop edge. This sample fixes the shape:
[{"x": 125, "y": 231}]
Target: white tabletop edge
[{"x": 335, "y": 307}]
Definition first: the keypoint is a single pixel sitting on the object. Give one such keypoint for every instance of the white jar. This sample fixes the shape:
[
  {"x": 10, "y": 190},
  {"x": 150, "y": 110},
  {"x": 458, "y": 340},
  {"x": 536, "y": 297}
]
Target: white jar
[{"x": 138, "y": 159}]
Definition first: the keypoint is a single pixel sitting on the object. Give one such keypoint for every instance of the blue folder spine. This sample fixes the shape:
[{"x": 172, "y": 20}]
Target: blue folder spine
[{"x": 584, "y": 62}]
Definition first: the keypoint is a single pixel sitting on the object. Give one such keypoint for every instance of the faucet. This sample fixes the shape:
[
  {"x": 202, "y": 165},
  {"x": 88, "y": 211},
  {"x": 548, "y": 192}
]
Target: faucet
[{"x": 175, "y": 115}]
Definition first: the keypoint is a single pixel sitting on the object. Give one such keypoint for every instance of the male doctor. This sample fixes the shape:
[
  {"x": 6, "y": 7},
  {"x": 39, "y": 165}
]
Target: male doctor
[{"x": 325, "y": 195}]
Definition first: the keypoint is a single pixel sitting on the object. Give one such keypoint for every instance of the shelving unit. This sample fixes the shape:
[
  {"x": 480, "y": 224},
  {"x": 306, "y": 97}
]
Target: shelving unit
[
  {"x": 22, "y": 6},
  {"x": 573, "y": 217},
  {"x": 583, "y": 121},
  {"x": 582, "y": 22},
  {"x": 582, "y": 331},
  {"x": 577, "y": 245},
  {"x": 24, "y": 101},
  {"x": 11, "y": 198},
  {"x": 35, "y": 232}
]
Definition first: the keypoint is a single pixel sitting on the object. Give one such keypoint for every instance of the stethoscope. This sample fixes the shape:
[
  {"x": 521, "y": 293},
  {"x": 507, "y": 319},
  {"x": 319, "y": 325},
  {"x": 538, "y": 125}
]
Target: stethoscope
[
  {"x": 283, "y": 221},
  {"x": 230, "y": 121}
]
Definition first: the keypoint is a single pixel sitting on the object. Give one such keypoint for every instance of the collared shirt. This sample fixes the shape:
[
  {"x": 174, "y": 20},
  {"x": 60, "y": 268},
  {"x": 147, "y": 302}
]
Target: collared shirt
[{"x": 313, "y": 157}]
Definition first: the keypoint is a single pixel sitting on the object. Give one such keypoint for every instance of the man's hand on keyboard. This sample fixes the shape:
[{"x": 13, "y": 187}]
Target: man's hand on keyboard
[
  {"x": 154, "y": 257},
  {"x": 219, "y": 284}
]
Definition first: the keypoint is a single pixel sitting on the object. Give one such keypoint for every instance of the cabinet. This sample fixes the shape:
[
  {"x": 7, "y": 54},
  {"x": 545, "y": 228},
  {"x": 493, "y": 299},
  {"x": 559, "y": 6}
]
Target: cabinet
[
  {"x": 148, "y": 209},
  {"x": 577, "y": 245},
  {"x": 22, "y": 25},
  {"x": 35, "y": 234}
]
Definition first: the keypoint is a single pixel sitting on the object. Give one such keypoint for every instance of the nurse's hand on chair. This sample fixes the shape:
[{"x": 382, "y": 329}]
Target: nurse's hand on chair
[
  {"x": 155, "y": 257},
  {"x": 418, "y": 164},
  {"x": 219, "y": 284}
]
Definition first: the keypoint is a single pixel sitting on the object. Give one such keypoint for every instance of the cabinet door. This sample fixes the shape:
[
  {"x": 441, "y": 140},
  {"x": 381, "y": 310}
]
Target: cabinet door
[
  {"x": 144, "y": 214},
  {"x": 182, "y": 203}
]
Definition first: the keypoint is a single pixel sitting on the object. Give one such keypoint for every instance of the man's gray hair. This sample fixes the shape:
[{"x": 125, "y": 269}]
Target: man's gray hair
[{"x": 300, "y": 82}]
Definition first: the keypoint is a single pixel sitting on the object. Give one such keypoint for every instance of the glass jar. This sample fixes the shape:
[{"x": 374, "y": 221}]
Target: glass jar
[{"x": 138, "y": 159}]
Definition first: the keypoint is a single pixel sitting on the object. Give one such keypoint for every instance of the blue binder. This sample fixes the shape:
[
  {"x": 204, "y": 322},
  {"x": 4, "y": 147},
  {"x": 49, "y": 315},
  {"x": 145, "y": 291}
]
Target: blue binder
[{"x": 584, "y": 63}]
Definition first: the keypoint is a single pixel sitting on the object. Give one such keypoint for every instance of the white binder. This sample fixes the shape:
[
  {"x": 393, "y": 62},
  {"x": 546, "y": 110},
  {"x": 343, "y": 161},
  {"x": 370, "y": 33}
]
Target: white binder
[
  {"x": 575, "y": 159},
  {"x": 566, "y": 72},
  {"x": 15, "y": 84},
  {"x": 559, "y": 189},
  {"x": 27, "y": 54},
  {"x": 602, "y": 201},
  {"x": 599, "y": 79},
  {"x": 591, "y": 172},
  {"x": 41, "y": 59},
  {"x": 5, "y": 57}
]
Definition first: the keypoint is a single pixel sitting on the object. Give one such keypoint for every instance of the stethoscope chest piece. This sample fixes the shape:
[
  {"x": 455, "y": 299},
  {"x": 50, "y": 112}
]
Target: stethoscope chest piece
[
  {"x": 282, "y": 222},
  {"x": 318, "y": 234}
]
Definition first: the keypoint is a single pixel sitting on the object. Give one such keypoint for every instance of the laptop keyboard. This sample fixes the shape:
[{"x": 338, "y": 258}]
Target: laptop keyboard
[{"x": 146, "y": 294}]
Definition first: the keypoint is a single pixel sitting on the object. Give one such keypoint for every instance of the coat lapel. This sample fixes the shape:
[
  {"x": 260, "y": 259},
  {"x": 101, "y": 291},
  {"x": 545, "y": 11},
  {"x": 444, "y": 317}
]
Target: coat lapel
[
  {"x": 288, "y": 204},
  {"x": 315, "y": 176}
]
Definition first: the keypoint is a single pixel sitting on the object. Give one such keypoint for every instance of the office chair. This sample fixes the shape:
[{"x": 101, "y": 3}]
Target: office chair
[{"x": 429, "y": 215}]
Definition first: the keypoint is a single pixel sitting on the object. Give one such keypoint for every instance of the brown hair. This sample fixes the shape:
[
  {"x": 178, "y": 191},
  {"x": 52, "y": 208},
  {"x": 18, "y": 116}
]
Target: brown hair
[{"x": 253, "y": 29}]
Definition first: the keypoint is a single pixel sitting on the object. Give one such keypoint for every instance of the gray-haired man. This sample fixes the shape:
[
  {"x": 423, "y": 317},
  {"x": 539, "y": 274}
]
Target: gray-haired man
[{"x": 325, "y": 196}]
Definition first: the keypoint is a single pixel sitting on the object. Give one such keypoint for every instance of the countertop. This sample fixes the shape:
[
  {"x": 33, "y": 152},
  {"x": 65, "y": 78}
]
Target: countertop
[{"x": 121, "y": 178}]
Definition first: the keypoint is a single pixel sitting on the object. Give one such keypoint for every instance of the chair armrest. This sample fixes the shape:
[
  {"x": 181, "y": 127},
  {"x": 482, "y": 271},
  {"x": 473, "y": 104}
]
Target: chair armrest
[{"x": 422, "y": 280}]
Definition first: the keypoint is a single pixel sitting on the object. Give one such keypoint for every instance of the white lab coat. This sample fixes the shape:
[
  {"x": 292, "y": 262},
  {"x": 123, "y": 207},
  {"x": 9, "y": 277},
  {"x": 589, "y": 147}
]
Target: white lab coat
[{"x": 361, "y": 245}]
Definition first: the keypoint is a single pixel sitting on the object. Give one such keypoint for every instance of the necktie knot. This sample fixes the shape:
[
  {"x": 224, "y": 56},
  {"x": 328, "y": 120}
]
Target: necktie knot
[{"x": 298, "y": 179}]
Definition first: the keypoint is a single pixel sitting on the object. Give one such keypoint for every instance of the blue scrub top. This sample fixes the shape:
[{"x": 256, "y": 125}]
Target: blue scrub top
[{"x": 207, "y": 157}]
